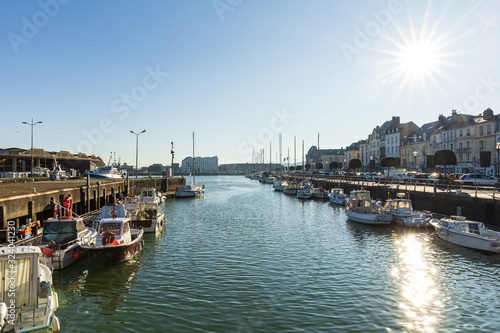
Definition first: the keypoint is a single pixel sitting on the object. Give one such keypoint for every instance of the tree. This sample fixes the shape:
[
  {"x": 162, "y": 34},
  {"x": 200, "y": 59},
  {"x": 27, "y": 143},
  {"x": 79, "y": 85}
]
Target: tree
[
  {"x": 355, "y": 163},
  {"x": 445, "y": 157},
  {"x": 292, "y": 168},
  {"x": 334, "y": 165},
  {"x": 298, "y": 167},
  {"x": 308, "y": 166},
  {"x": 319, "y": 166},
  {"x": 389, "y": 162}
]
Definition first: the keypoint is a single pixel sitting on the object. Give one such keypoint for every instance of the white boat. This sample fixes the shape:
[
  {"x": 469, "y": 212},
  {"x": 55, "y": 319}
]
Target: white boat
[
  {"x": 116, "y": 241},
  {"x": 458, "y": 230},
  {"x": 191, "y": 191},
  {"x": 108, "y": 172},
  {"x": 279, "y": 185},
  {"x": 319, "y": 193},
  {"x": 402, "y": 210},
  {"x": 31, "y": 307},
  {"x": 291, "y": 189},
  {"x": 304, "y": 193},
  {"x": 361, "y": 209},
  {"x": 149, "y": 217},
  {"x": 62, "y": 239},
  {"x": 131, "y": 202},
  {"x": 337, "y": 196}
]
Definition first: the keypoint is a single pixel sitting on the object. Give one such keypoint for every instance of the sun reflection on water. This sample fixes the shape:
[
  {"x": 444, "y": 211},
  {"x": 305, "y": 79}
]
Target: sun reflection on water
[{"x": 416, "y": 276}]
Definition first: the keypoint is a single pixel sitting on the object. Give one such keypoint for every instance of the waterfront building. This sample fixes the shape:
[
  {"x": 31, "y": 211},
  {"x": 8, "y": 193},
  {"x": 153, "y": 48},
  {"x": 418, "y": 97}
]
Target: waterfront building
[
  {"x": 325, "y": 156},
  {"x": 202, "y": 165},
  {"x": 364, "y": 156},
  {"x": 352, "y": 152},
  {"x": 485, "y": 141}
]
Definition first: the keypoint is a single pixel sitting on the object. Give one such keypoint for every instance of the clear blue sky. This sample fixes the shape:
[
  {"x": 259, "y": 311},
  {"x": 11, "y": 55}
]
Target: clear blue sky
[{"x": 237, "y": 72}]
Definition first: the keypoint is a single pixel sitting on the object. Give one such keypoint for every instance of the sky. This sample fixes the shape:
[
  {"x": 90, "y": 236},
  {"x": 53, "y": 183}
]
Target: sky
[{"x": 237, "y": 73}]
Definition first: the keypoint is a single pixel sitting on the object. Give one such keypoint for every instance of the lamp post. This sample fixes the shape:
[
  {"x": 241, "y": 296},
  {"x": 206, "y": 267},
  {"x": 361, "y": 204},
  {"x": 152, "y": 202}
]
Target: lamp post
[
  {"x": 137, "y": 150},
  {"x": 32, "y": 124},
  {"x": 498, "y": 158},
  {"x": 172, "y": 152},
  {"x": 415, "y": 153}
]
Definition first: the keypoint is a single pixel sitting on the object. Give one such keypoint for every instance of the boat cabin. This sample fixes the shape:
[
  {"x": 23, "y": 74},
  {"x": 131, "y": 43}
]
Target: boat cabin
[
  {"x": 149, "y": 195},
  {"x": 112, "y": 211},
  {"x": 114, "y": 231},
  {"x": 399, "y": 206},
  {"x": 31, "y": 285},
  {"x": 63, "y": 232},
  {"x": 131, "y": 202}
]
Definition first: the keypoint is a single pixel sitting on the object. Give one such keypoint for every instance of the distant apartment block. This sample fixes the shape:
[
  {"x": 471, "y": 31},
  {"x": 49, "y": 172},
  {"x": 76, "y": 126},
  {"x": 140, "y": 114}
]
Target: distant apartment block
[{"x": 201, "y": 165}]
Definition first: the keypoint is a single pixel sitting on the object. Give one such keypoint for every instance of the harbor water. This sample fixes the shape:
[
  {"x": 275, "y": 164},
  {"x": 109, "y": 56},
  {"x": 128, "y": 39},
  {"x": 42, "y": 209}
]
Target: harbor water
[{"x": 248, "y": 259}]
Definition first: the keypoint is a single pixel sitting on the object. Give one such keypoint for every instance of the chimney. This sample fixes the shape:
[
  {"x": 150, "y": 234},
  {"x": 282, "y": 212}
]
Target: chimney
[
  {"x": 441, "y": 118},
  {"x": 396, "y": 120},
  {"x": 453, "y": 112},
  {"x": 488, "y": 113}
]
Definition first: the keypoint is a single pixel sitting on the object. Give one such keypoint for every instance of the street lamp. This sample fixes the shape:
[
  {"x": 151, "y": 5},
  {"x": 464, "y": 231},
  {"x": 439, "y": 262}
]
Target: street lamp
[
  {"x": 32, "y": 124},
  {"x": 137, "y": 150},
  {"x": 415, "y": 153},
  {"x": 172, "y": 152}
]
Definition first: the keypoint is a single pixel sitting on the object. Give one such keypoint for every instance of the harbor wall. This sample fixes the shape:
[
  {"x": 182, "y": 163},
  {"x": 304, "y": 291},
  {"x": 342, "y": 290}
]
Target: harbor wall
[{"x": 40, "y": 206}]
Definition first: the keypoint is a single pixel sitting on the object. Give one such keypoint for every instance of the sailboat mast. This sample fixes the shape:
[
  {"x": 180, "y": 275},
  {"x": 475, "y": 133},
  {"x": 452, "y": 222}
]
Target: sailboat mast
[
  {"x": 295, "y": 152},
  {"x": 194, "y": 159},
  {"x": 303, "y": 156},
  {"x": 270, "y": 158}
]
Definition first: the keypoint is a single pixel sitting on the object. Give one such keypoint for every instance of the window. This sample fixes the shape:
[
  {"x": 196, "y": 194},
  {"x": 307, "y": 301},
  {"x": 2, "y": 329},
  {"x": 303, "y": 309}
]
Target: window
[
  {"x": 451, "y": 146},
  {"x": 444, "y": 137},
  {"x": 451, "y": 136},
  {"x": 489, "y": 129},
  {"x": 481, "y": 145},
  {"x": 481, "y": 130},
  {"x": 461, "y": 133},
  {"x": 460, "y": 146},
  {"x": 468, "y": 132}
]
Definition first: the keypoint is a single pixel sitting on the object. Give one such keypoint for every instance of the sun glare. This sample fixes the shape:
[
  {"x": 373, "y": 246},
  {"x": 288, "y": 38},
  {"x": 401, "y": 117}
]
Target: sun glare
[{"x": 418, "y": 59}]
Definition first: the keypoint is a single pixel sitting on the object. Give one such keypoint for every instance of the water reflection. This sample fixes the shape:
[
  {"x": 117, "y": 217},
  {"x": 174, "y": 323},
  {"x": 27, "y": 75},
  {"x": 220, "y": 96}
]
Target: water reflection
[{"x": 416, "y": 276}]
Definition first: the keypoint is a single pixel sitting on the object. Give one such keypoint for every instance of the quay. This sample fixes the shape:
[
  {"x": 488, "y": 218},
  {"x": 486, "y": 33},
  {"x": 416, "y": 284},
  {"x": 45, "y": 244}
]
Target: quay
[
  {"x": 446, "y": 198},
  {"x": 36, "y": 201}
]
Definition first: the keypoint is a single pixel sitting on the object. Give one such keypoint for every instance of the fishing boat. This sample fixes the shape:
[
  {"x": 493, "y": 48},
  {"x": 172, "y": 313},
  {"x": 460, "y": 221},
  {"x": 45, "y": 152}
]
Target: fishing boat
[
  {"x": 31, "y": 308},
  {"x": 150, "y": 195},
  {"x": 305, "y": 190},
  {"x": 279, "y": 185},
  {"x": 291, "y": 189},
  {"x": 319, "y": 193},
  {"x": 116, "y": 241},
  {"x": 191, "y": 191},
  {"x": 360, "y": 208},
  {"x": 402, "y": 210},
  {"x": 472, "y": 234},
  {"x": 337, "y": 196},
  {"x": 149, "y": 217},
  {"x": 107, "y": 172},
  {"x": 62, "y": 239}
]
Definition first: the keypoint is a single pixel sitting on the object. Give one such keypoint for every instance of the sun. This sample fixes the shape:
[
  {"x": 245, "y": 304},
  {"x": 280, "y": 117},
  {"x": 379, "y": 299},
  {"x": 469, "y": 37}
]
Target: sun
[{"x": 418, "y": 59}]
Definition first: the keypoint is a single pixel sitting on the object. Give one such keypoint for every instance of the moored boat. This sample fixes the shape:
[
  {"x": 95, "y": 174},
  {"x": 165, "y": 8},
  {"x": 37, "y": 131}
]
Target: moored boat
[
  {"x": 337, "y": 196},
  {"x": 402, "y": 211},
  {"x": 62, "y": 240},
  {"x": 291, "y": 188},
  {"x": 149, "y": 217},
  {"x": 472, "y": 234},
  {"x": 319, "y": 193},
  {"x": 31, "y": 308},
  {"x": 116, "y": 241},
  {"x": 361, "y": 209}
]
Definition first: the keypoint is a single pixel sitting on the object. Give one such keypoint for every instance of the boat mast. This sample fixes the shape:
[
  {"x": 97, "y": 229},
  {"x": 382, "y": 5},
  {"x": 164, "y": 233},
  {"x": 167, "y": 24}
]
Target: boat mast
[
  {"x": 194, "y": 159},
  {"x": 295, "y": 152},
  {"x": 270, "y": 157}
]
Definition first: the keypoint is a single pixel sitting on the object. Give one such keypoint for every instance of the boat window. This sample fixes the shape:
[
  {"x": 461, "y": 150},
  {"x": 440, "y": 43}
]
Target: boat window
[
  {"x": 404, "y": 204},
  {"x": 474, "y": 228},
  {"x": 126, "y": 227},
  {"x": 387, "y": 204},
  {"x": 60, "y": 232},
  {"x": 443, "y": 224},
  {"x": 22, "y": 267},
  {"x": 394, "y": 205},
  {"x": 113, "y": 227}
]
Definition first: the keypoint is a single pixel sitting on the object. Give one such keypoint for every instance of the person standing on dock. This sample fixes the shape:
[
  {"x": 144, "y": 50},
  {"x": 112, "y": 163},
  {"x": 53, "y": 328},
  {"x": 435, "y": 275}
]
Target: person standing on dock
[{"x": 68, "y": 204}]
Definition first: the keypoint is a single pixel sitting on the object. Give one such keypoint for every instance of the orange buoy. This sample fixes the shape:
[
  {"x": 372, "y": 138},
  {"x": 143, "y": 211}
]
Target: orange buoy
[
  {"x": 114, "y": 243},
  {"x": 76, "y": 255}
]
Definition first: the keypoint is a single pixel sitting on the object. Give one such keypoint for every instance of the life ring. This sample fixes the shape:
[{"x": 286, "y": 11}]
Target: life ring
[{"x": 108, "y": 238}]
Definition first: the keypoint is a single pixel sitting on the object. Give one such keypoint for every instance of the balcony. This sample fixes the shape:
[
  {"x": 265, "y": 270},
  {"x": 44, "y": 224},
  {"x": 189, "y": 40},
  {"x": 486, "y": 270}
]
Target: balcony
[{"x": 463, "y": 150}]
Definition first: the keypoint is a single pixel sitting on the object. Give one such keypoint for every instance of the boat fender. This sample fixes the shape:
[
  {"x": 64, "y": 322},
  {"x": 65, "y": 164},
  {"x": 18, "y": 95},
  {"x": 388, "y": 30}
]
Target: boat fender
[
  {"x": 47, "y": 251},
  {"x": 55, "y": 324},
  {"x": 108, "y": 238},
  {"x": 114, "y": 243},
  {"x": 76, "y": 255}
]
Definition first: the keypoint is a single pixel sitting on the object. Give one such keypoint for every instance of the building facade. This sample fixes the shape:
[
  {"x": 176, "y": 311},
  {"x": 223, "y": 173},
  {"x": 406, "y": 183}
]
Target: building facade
[{"x": 201, "y": 165}]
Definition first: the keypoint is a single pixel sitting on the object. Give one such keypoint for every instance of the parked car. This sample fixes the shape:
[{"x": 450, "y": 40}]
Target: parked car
[
  {"x": 422, "y": 175},
  {"x": 455, "y": 176},
  {"x": 408, "y": 175},
  {"x": 477, "y": 179},
  {"x": 374, "y": 175}
]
